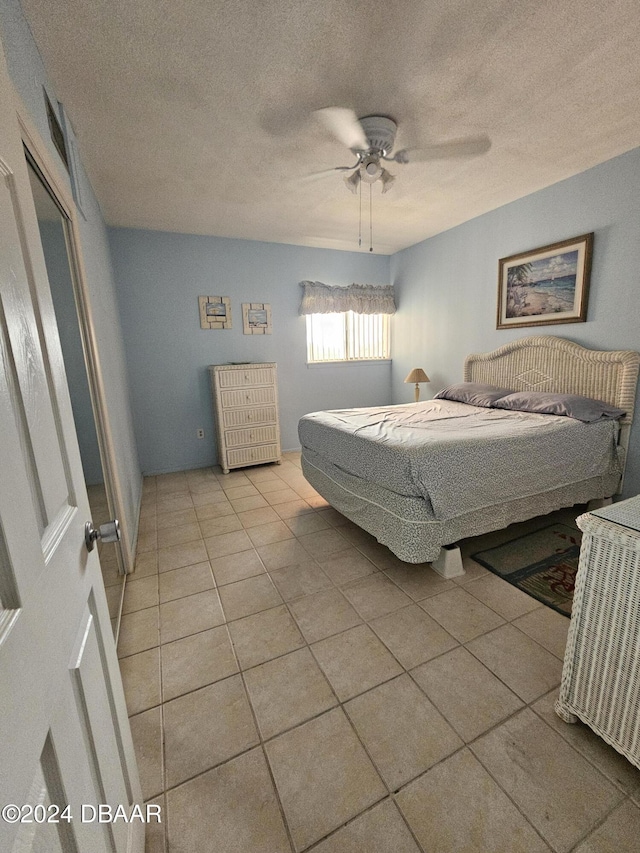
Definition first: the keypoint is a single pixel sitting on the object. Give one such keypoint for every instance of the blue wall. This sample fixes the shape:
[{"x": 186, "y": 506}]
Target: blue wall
[
  {"x": 446, "y": 286},
  {"x": 159, "y": 278}
]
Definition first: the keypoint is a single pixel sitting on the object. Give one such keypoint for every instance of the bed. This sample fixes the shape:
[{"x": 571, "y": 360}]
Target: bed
[{"x": 420, "y": 477}]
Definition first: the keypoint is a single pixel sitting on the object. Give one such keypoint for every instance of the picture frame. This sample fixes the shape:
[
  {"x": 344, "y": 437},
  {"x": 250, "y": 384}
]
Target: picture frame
[
  {"x": 215, "y": 312},
  {"x": 256, "y": 318},
  {"x": 545, "y": 286}
]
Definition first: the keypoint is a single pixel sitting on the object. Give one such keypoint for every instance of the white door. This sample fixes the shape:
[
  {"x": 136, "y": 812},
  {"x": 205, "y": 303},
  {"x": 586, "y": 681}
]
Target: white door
[{"x": 65, "y": 740}]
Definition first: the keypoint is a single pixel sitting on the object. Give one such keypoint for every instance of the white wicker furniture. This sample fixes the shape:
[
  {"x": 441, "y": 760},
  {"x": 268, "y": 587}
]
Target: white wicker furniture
[
  {"x": 601, "y": 673},
  {"x": 246, "y": 414},
  {"x": 547, "y": 363}
]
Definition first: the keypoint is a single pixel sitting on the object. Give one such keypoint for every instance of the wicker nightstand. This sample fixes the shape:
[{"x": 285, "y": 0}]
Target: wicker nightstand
[{"x": 601, "y": 674}]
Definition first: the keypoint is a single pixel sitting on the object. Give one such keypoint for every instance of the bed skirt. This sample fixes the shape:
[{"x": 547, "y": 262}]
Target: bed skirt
[{"x": 405, "y": 524}]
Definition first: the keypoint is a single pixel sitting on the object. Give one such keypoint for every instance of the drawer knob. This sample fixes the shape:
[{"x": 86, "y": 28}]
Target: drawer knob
[{"x": 247, "y": 396}]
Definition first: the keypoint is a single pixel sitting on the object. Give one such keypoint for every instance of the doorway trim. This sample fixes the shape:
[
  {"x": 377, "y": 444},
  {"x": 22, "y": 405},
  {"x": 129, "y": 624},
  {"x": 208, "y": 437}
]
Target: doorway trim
[{"x": 38, "y": 150}]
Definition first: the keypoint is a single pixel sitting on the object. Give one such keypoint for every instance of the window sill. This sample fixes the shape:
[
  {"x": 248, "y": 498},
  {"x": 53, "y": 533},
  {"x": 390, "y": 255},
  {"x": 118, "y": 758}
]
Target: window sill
[{"x": 352, "y": 362}]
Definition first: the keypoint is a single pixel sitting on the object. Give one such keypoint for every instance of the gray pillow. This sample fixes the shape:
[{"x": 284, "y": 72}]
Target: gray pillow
[
  {"x": 473, "y": 393},
  {"x": 572, "y": 405}
]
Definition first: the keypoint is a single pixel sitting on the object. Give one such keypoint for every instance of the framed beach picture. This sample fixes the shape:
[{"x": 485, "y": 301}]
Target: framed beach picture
[
  {"x": 256, "y": 318},
  {"x": 545, "y": 286},
  {"x": 215, "y": 312}
]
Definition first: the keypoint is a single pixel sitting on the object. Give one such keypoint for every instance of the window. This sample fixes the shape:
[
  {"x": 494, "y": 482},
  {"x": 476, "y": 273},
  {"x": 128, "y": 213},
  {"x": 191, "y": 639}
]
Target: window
[
  {"x": 347, "y": 337},
  {"x": 347, "y": 323}
]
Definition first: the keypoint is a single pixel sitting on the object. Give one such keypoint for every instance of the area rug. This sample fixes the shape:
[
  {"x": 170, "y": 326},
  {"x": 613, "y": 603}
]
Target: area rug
[{"x": 542, "y": 564}]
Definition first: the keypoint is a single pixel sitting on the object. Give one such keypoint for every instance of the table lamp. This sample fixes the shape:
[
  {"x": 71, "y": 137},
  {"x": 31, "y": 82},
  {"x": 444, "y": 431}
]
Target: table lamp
[{"x": 417, "y": 375}]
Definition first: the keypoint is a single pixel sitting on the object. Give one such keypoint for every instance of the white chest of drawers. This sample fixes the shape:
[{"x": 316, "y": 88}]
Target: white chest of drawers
[
  {"x": 245, "y": 408},
  {"x": 601, "y": 674}
]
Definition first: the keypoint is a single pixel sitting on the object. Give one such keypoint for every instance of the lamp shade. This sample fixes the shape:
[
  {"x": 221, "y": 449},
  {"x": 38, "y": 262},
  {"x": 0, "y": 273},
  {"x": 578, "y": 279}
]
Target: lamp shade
[{"x": 417, "y": 375}]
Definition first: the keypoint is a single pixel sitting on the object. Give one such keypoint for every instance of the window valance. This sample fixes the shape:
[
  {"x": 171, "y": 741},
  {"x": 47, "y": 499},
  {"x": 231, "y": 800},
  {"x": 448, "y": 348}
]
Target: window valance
[{"x": 319, "y": 298}]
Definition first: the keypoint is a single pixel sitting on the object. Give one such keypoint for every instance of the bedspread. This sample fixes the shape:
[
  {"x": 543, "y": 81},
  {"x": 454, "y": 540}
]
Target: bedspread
[{"x": 458, "y": 457}]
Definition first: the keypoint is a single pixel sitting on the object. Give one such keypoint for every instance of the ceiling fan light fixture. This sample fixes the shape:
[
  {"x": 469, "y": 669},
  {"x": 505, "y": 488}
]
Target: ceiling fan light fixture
[
  {"x": 387, "y": 180},
  {"x": 352, "y": 181},
  {"x": 370, "y": 169}
]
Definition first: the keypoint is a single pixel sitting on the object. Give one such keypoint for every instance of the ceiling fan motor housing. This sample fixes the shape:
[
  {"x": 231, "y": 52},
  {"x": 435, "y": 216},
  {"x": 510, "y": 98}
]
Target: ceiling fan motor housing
[{"x": 380, "y": 132}]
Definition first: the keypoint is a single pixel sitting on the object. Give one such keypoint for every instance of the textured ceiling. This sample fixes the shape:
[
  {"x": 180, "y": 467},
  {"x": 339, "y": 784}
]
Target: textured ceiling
[{"x": 196, "y": 115}]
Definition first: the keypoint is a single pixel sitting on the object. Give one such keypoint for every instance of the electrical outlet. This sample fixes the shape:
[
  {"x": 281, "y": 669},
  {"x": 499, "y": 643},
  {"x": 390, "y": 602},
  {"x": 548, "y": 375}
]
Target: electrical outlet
[{"x": 200, "y": 433}]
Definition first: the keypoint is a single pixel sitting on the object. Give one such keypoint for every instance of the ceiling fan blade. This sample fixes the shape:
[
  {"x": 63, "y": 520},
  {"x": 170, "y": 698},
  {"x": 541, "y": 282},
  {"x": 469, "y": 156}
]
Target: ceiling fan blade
[
  {"x": 470, "y": 146},
  {"x": 344, "y": 125},
  {"x": 314, "y": 176}
]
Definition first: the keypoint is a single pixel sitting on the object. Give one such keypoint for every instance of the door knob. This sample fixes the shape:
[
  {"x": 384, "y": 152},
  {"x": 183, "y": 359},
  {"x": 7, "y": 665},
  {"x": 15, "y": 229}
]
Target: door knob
[{"x": 108, "y": 532}]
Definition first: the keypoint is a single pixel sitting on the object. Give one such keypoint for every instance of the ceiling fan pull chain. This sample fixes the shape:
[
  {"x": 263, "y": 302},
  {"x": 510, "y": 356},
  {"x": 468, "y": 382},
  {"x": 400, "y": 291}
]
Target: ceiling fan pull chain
[
  {"x": 360, "y": 219},
  {"x": 370, "y": 219}
]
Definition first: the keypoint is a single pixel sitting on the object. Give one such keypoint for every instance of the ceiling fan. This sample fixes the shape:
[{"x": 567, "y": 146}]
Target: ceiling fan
[{"x": 372, "y": 138}]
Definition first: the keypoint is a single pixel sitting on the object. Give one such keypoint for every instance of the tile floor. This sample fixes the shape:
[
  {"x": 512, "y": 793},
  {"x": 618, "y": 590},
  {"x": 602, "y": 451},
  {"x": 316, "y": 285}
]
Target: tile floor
[{"x": 293, "y": 686}]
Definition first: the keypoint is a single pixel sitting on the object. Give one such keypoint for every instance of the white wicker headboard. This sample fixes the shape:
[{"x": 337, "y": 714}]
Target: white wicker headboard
[{"x": 547, "y": 363}]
